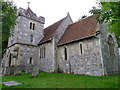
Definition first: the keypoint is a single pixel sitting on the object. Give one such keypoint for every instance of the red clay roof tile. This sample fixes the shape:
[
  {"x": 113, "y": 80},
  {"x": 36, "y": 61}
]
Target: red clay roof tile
[
  {"x": 49, "y": 31},
  {"x": 81, "y": 29}
]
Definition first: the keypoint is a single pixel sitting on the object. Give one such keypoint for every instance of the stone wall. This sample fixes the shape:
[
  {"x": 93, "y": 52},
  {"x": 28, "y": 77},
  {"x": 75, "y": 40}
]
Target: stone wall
[
  {"x": 110, "y": 62},
  {"x": 47, "y": 64},
  {"x": 58, "y": 34},
  {"x": 62, "y": 28},
  {"x": 88, "y": 63},
  {"x": 22, "y": 32},
  {"x": 22, "y": 56}
]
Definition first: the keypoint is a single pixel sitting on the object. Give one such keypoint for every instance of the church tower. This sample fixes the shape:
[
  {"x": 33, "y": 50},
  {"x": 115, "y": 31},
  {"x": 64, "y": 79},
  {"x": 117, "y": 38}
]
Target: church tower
[
  {"x": 29, "y": 28},
  {"x": 22, "y": 44}
]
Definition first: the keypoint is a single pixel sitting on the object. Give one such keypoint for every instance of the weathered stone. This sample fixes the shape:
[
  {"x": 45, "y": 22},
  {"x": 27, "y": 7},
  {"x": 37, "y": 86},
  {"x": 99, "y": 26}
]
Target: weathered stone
[
  {"x": 7, "y": 71},
  {"x": 22, "y": 68},
  {"x": 12, "y": 69},
  {"x": 35, "y": 71},
  {"x": 29, "y": 69},
  {"x": 17, "y": 70}
]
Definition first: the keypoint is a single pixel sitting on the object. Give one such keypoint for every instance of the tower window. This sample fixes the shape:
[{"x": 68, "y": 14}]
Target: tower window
[
  {"x": 33, "y": 26},
  {"x": 65, "y": 52},
  {"x": 81, "y": 48},
  {"x": 30, "y": 25},
  {"x": 31, "y": 38},
  {"x": 30, "y": 61}
]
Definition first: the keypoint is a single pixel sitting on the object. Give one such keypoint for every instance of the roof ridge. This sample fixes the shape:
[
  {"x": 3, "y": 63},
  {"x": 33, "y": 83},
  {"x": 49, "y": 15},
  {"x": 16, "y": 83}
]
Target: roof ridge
[
  {"x": 82, "y": 19},
  {"x": 51, "y": 29},
  {"x": 80, "y": 29}
]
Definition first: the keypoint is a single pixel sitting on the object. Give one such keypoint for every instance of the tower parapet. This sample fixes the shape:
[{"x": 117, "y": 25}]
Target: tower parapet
[
  {"x": 30, "y": 14},
  {"x": 29, "y": 28}
]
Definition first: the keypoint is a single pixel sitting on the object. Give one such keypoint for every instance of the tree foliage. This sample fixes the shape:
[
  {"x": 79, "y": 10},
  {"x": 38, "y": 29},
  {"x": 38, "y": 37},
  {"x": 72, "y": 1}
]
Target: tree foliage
[
  {"x": 84, "y": 16},
  {"x": 8, "y": 21},
  {"x": 109, "y": 13}
]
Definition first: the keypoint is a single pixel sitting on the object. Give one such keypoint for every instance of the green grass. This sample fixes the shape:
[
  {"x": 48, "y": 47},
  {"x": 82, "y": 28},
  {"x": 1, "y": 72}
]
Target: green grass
[
  {"x": 0, "y": 83},
  {"x": 59, "y": 80}
]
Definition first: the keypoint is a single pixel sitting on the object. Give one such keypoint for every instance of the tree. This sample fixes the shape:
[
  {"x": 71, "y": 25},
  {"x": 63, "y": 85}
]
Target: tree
[
  {"x": 84, "y": 16},
  {"x": 8, "y": 22},
  {"x": 109, "y": 13}
]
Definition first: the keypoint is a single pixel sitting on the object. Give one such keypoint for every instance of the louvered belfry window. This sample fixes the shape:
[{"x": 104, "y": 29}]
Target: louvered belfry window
[{"x": 32, "y": 26}]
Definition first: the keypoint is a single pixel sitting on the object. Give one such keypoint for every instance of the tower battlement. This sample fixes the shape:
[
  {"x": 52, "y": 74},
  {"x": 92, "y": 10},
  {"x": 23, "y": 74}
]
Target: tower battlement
[{"x": 28, "y": 13}]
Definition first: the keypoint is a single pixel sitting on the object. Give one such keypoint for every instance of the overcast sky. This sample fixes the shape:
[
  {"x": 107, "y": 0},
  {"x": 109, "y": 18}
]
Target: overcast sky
[{"x": 54, "y": 10}]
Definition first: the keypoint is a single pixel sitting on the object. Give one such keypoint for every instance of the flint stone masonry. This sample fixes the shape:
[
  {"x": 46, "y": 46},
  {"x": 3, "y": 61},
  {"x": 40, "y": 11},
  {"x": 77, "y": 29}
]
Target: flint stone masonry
[
  {"x": 22, "y": 32},
  {"x": 29, "y": 69},
  {"x": 17, "y": 70},
  {"x": 12, "y": 69},
  {"x": 88, "y": 63},
  {"x": 110, "y": 63},
  {"x": 61, "y": 29},
  {"x": 24, "y": 54},
  {"x": 47, "y": 64},
  {"x": 6, "y": 71},
  {"x": 35, "y": 71}
]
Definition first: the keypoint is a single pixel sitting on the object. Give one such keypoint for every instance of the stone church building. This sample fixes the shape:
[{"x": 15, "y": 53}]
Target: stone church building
[{"x": 84, "y": 47}]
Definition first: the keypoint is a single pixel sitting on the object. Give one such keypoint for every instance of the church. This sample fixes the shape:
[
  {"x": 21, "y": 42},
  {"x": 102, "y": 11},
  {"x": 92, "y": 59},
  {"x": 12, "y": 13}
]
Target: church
[{"x": 82, "y": 47}]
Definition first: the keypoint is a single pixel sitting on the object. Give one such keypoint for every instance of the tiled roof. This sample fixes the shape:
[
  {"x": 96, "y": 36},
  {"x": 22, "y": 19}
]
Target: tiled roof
[
  {"x": 79, "y": 30},
  {"x": 49, "y": 31}
]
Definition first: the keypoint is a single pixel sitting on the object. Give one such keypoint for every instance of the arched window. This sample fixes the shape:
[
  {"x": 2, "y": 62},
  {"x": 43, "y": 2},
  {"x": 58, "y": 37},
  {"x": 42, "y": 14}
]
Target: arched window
[
  {"x": 111, "y": 45},
  {"x": 30, "y": 25},
  {"x": 33, "y": 26},
  {"x": 40, "y": 53},
  {"x": 31, "y": 38},
  {"x": 44, "y": 51},
  {"x": 65, "y": 52},
  {"x": 81, "y": 48},
  {"x": 30, "y": 61}
]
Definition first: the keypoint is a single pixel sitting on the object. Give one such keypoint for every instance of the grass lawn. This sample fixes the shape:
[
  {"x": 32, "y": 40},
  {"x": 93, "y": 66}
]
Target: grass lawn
[{"x": 59, "y": 80}]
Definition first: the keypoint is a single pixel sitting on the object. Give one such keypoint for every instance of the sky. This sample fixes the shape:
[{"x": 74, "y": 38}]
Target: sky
[{"x": 54, "y": 10}]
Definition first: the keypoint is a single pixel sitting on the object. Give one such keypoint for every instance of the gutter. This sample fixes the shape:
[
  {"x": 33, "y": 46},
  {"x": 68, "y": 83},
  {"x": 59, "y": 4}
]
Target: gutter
[{"x": 77, "y": 40}]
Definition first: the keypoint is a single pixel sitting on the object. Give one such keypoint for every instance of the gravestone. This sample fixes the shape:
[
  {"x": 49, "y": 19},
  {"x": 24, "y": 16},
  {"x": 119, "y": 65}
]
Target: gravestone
[
  {"x": 28, "y": 69},
  {"x": 12, "y": 70},
  {"x": 22, "y": 68},
  {"x": 11, "y": 83},
  {"x": 7, "y": 71},
  {"x": 35, "y": 71},
  {"x": 17, "y": 70}
]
